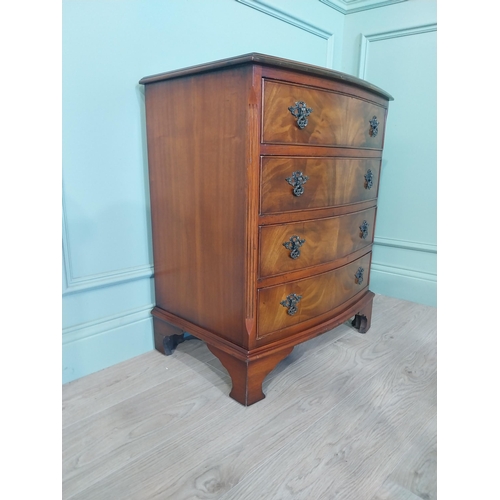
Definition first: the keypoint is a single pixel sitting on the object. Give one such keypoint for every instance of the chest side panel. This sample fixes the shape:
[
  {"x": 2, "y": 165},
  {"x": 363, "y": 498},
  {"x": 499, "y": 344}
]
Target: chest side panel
[{"x": 196, "y": 146}]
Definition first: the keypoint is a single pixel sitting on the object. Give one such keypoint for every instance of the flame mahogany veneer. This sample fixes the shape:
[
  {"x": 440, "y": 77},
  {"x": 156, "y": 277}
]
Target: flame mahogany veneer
[{"x": 264, "y": 177}]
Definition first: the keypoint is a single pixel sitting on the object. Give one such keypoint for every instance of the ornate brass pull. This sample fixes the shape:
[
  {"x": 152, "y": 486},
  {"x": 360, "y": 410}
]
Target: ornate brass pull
[
  {"x": 297, "y": 180},
  {"x": 369, "y": 179},
  {"x": 291, "y": 303},
  {"x": 374, "y": 123},
  {"x": 364, "y": 229},
  {"x": 359, "y": 276},
  {"x": 301, "y": 112},
  {"x": 293, "y": 245}
]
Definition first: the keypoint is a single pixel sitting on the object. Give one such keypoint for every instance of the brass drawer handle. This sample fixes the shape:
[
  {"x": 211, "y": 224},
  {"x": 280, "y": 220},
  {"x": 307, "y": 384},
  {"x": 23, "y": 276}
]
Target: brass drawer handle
[
  {"x": 369, "y": 179},
  {"x": 297, "y": 180},
  {"x": 364, "y": 229},
  {"x": 301, "y": 112},
  {"x": 374, "y": 123},
  {"x": 293, "y": 244},
  {"x": 359, "y": 276},
  {"x": 291, "y": 303}
]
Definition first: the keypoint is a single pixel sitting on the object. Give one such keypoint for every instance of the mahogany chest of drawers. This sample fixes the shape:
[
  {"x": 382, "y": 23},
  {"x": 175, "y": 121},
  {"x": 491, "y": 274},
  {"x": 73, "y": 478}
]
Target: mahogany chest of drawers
[{"x": 264, "y": 175}]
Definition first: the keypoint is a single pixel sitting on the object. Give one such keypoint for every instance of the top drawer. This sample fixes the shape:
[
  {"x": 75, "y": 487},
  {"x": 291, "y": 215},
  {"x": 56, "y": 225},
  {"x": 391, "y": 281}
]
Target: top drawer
[{"x": 326, "y": 119}]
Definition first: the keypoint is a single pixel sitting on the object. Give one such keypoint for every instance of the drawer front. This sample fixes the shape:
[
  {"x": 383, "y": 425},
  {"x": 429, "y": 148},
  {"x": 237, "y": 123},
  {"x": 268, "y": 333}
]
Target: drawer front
[
  {"x": 289, "y": 247},
  {"x": 289, "y": 304},
  {"x": 301, "y": 183},
  {"x": 327, "y": 119}
]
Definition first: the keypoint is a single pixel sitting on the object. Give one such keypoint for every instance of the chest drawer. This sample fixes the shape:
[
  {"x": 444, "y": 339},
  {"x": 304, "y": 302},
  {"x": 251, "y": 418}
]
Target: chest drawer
[
  {"x": 326, "y": 118},
  {"x": 302, "y": 183},
  {"x": 293, "y": 246},
  {"x": 286, "y": 305}
]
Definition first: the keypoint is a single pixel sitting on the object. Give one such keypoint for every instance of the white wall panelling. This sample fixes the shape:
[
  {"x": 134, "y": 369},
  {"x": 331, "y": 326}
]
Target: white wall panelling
[
  {"x": 74, "y": 284},
  {"x": 366, "y": 40},
  {"x": 404, "y": 65}
]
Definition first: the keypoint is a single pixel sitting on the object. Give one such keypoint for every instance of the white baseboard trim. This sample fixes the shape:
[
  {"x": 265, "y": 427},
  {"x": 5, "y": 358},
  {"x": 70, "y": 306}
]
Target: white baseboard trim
[
  {"x": 96, "y": 345},
  {"x": 404, "y": 283},
  {"x": 402, "y": 271},
  {"x": 100, "y": 326}
]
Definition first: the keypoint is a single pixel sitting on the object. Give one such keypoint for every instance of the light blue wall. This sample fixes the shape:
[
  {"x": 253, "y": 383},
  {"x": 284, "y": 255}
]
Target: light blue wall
[
  {"x": 108, "y": 45},
  {"x": 394, "y": 47}
]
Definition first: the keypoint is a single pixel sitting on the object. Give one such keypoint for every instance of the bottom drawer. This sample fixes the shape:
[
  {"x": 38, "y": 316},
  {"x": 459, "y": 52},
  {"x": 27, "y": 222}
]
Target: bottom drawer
[{"x": 286, "y": 305}]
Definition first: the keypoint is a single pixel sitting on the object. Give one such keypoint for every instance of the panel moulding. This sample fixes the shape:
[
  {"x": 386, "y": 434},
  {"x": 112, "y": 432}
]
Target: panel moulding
[
  {"x": 90, "y": 282},
  {"x": 404, "y": 271},
  {"x": 422, "y": 283},
  {"x": 387, "y": 35},
  {"x": 78, "y": 284},
  {"x": 288, "y": 18}
]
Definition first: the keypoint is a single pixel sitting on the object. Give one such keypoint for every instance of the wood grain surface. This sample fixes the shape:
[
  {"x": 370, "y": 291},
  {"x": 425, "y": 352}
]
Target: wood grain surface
[
  {"x": 331, "y": 182},
  {"x": 346, "y": 416},
  {"x": 335, "y": 119},
  {"x": 324, "y": 240},
  {"x": 283, "y": 66},
  {"x": 198, "y": 197},
  {"x": 319, "y": 294}
]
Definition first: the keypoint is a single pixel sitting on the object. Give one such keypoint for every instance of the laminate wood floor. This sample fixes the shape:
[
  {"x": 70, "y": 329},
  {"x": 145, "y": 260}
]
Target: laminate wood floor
[{"x": 346, "y": 416}]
